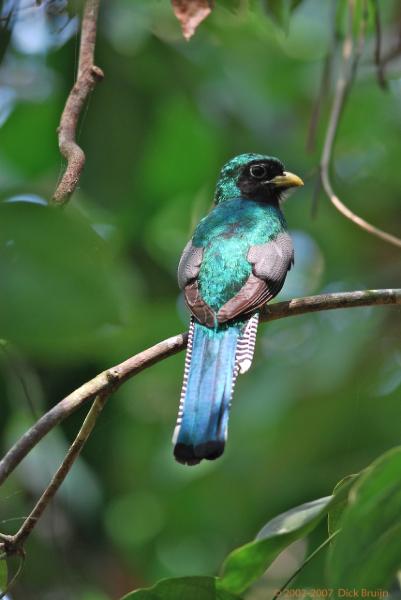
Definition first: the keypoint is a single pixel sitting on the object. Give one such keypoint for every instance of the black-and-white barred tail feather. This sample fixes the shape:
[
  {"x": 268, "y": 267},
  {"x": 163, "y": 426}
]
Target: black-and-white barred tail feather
[
  {"x": 246, "y": 345},
  {"x": 188, "y": 357}
]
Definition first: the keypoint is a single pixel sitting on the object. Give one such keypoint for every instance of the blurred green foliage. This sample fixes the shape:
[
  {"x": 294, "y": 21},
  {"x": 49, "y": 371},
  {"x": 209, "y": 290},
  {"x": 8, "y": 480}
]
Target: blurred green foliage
[
  {"x": 88, "y": 287},
  {"x": 180, "y": 588},
  {"x": 367, "y": 550},
  {"x": 362, "y": 562}
]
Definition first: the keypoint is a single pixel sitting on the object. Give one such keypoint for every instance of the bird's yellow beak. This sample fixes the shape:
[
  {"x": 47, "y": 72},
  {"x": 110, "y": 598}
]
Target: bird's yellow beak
[{"x": 287, "y": 180}]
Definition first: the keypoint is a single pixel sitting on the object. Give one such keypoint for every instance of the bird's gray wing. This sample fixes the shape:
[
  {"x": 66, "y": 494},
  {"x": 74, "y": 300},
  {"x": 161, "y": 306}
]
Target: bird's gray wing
[
  {"x": 189, "y": 265},
  {"x": 272, "y": 260},
  {"x": 270, "y": 263},
  {"x": 188, "y": 271}
]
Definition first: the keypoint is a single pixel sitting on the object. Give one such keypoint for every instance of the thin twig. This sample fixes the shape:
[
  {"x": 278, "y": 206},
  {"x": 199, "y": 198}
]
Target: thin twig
[
  {"x": 305, "y": 562},
  {"x": 347, "y": 72},
  {"x": 88, "y": 76},
  {"x": 18, "y": 371},
  {"x": 380, "y": 66},
  {"x": 14, "y": 578},
  {"x": 395, "y": 50},
  {"x": 324, "y": 86},
  {"x": 14, "y": 544},
  {"x": 360, "y": 45},
  {"x": 317, "y": 108},
  {"x": 106, "y": 381},
  {"x": 392, "y": 54},
  {"x": 111, "y": 379}
]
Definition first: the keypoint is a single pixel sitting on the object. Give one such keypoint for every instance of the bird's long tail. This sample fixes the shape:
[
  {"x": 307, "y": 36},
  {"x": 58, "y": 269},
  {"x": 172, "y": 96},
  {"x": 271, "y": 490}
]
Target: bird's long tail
[{"x": 213, "y": 360}]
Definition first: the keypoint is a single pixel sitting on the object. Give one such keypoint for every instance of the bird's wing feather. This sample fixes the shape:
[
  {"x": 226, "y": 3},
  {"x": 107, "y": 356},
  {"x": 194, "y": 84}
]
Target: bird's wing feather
[
  {"x": 189, "y": 265},
  {"x": 188, "y": 271},
  {"x": 198, "y": 307},
  {"x": 272, "y": 260},
  {"x": 270, "y": 263}
]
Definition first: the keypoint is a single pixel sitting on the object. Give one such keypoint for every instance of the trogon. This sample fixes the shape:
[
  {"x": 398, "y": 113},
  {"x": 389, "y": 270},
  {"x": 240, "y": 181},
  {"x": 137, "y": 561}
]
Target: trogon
[{"x": 236, "y": 261}]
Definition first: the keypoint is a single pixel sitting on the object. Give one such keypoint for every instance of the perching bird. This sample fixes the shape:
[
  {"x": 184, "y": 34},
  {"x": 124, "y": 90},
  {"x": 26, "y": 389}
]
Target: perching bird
[{"x": 236, "y": 261}]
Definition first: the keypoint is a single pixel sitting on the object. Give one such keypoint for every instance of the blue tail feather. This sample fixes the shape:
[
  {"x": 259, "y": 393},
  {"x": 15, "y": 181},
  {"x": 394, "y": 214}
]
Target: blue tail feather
[{"x": 203, "y": 418}]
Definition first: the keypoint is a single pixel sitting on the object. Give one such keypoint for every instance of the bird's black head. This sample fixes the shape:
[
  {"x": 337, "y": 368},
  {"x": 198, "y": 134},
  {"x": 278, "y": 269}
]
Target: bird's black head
[{"x": 256, "y": 177}]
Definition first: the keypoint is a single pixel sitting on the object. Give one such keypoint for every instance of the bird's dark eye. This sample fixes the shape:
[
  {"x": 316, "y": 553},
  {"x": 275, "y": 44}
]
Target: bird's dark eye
[{"x": 258, "y": 171}]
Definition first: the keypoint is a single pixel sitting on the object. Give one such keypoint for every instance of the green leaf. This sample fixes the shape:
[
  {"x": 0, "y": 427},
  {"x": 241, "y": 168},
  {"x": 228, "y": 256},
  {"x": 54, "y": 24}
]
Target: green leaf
[
  {"x": 31, "y": 121},
  {"x": 367, "y": 551},
  {"x": 183, "y": 588},
  {"x": 59, "y": 289},
  {"x": 247, "y": 563},
  {"x": 335, "y": 514},
  {"x": 3, "y": 575}
]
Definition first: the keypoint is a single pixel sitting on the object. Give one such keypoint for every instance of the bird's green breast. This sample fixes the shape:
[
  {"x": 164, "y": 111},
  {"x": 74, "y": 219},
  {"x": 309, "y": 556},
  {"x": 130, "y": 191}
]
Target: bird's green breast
[{"x": 226, "y": 235}]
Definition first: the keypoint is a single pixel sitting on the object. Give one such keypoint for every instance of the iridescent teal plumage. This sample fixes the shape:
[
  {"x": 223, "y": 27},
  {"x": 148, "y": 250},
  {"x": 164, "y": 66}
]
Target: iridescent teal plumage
[
  {"x": 226, "y": 234},
  {"x": 236, "y": 261}
]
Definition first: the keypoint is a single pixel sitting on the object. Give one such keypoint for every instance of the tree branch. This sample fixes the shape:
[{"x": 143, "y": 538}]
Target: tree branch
[
  {"x": 380, "y": 65},
  {"x": 103, "y": 385},
  {"x": 13, "y": 544},
  {"x": 109, "y": 380},
  {"x": 88, "y": 76},
  {"x": 324, "y": 86},
  {"x": 394, "y": 51},
  {"x": 347, "y": 71}
]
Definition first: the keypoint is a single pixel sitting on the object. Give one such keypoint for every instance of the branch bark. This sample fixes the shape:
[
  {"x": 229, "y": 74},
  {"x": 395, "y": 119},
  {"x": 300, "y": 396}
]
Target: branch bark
[
  {"x": 109, "y": 380},
  {"x": 88, "y": 76},
  {"x": 13, "y": 544},
  {"x": 103, "y": 385},
  {"x": 347, "y": 72}
]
